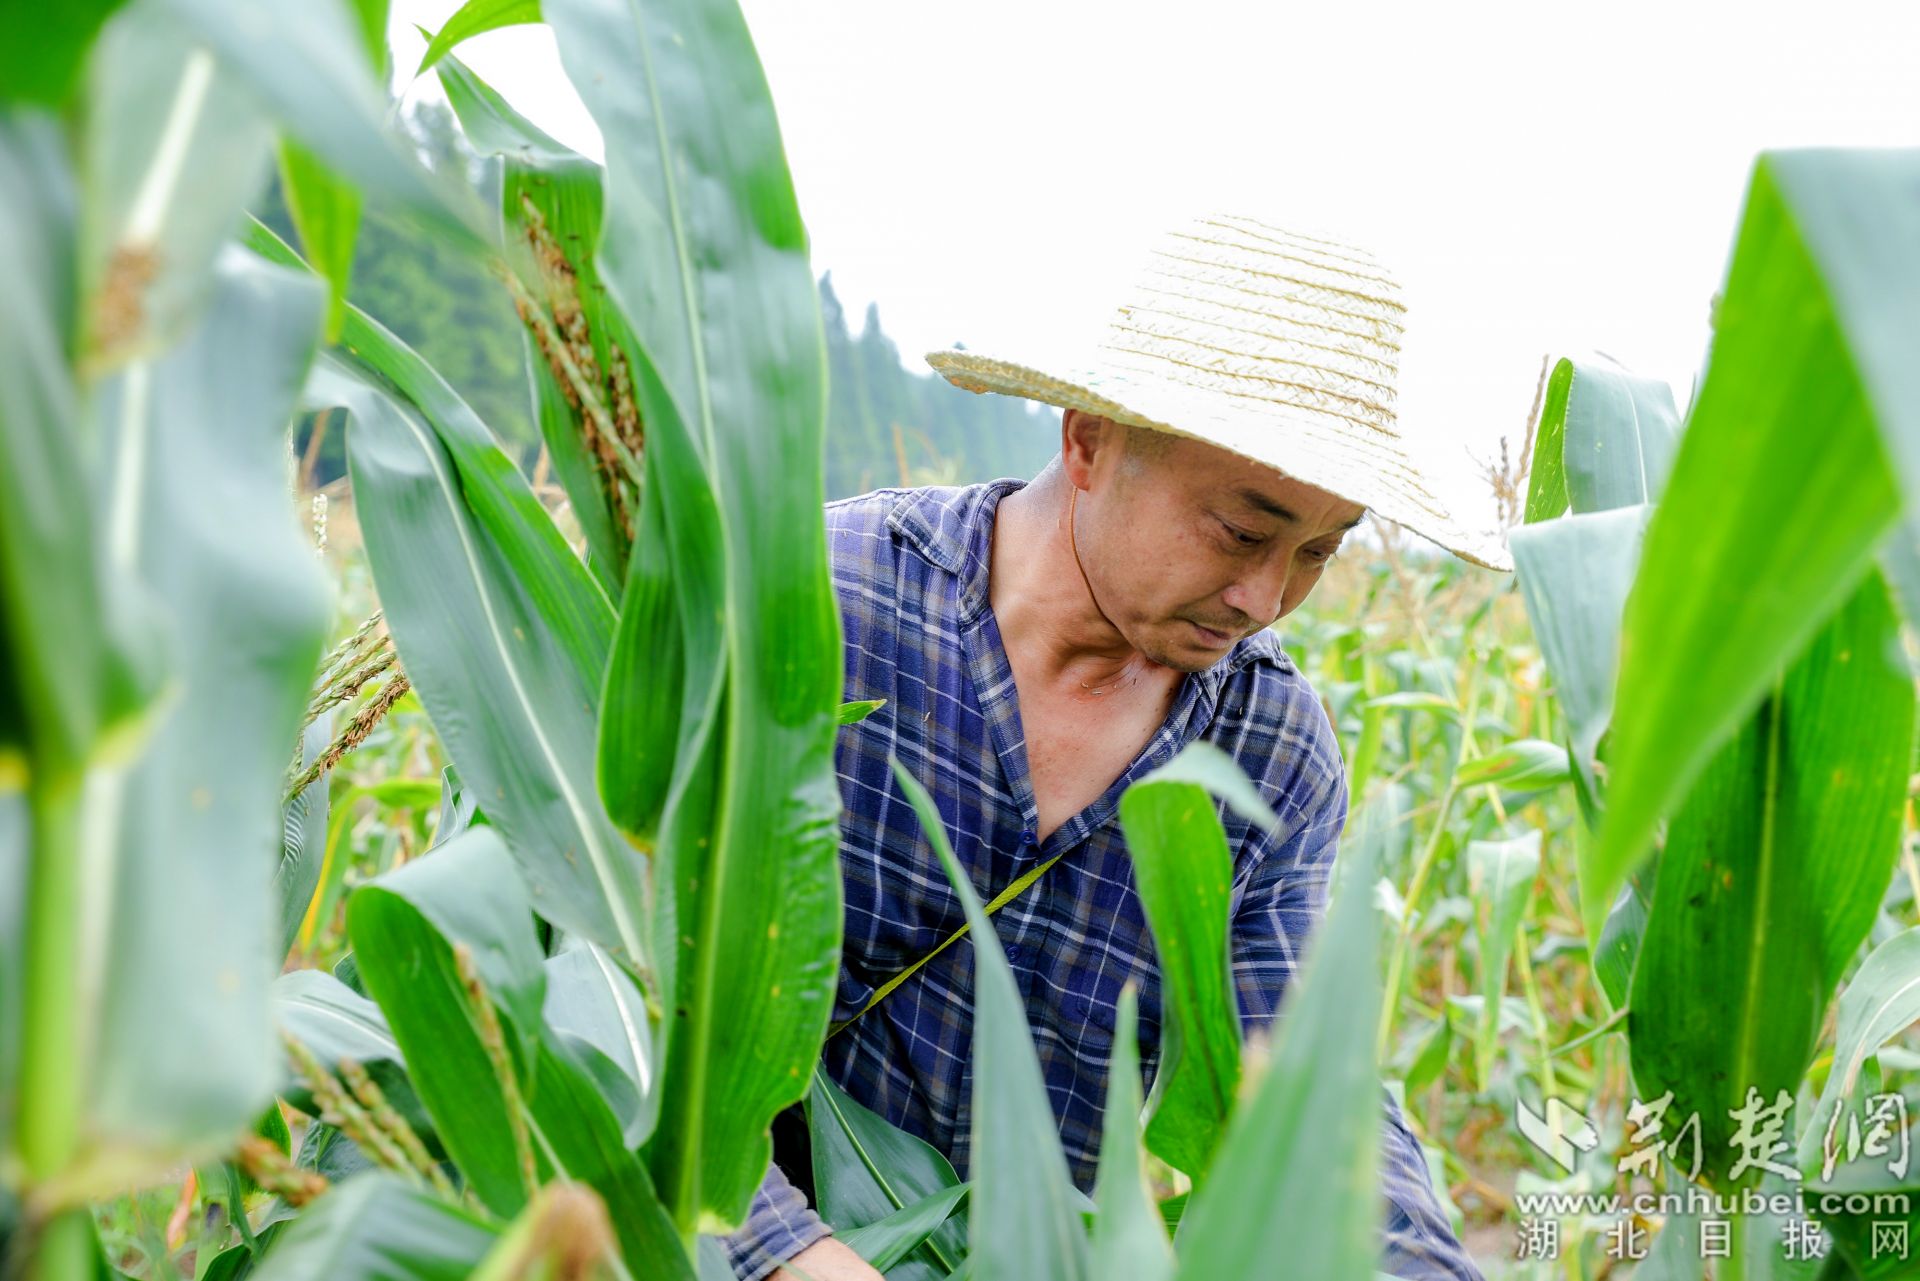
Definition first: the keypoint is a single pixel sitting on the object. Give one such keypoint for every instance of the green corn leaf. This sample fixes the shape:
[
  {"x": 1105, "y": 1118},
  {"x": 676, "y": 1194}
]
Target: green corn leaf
[
  {"x": 476, "y": 17},
  {"x": 1785, "y": 481},
  {"x": 1574, "y": 575},
  {"x": 303, "y": 836},
  {"x": 1605, "y": 440},
  {"x": 484, "y": 597},
  {"x": 43, "y": 47},
  {"x": 552, "y": 1096},
  {"x": 885, "y": 1243},
  {"x": 1023, "y": 1216},
  {"x": 1772, "y": 874},
  {"x": 591, "y": 997},
  {"x": 552, "y": 196},
  {"x": 1184, "y": 873},
  {"x": 1321, "y": 1096},
  {"x": 306, "y": 60},
  {"x": 1430, "y": 1064},
  {"x": 177, "y": 839},
  {"x": 1547, "y": 474},
  {"x": 1522, "y": 765},
  {"x": 405, "y": 927},
  {"x": 855, "y": 712},
  {"x": 324, "y": 207},
  {"x": 1501, "y": 876},
  {"x": 1881, "y": 1001},
  {"x": 377, "y": 1228},
  {"x": 78, "y": 671},
  {"x": 580, "y": 1137},
  {"x": 1620, "y": 434},
  {"x": 335, "y": 1022},
  {"x": 866, "y": 1171},
  {"x": 1129, "y": 1237},
  {"x": 703, "y": 249},
  {"x": 175, "y": 147}
]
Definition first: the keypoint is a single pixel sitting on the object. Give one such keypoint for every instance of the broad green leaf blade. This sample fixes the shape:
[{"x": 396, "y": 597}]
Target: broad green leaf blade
[
  {"x": 43, "y": 47},
  {"x": 376, "y": 1228},
  {"x": 590, "y": 996},
  {"x": 1782, "y": 487},
  {"x": 307, "y": 62},
  {"x": 175, "y": 148},
  {"x": 335, "y": 1022},
  {"x": 1023, "y": 1218},
  {"x": 405, "y": 928},
  {"x": 1522, "y": 765},
  {"x": 579, "y": 1137},
  {"x": 1430, "y": 1064},
  {"x": 1129, "y": 1237},
  {"x": 703, "y": 249},
  {"x": 500, "y": 627},
  {"x": 1204, "y": 765},
  {"x": 1547, "y": 475},
  {"x": 79, "y": 669},
  {"x": 551, "y": 198},
  {"x": 1184, "y": 873},
  {"x": 476, "y": 17},
  {"x": 1855, "y": 214},
  {"x": 1771, "y": 876},
  {"x": 332, "y": 1019},
  {"x": 324, "y": 207},
  {"x": 886, "y": 1242},
  {"x": 303, "y": 836},
  {"x": 1617, "y": 948},
  {"x": 180, "y": 843},
  {"x": 1620, "y": 434},
  {"x": 1881, "y": 1001},
  {"x": 1295, "y": 1178},
  {"x": 858, "y": 710},
  {"x": 1500, "y": 875},
  {"x": 865, "y": 1170},
  {"x": 326, "y": 212},
  {"x": 1574, "y": 576}
]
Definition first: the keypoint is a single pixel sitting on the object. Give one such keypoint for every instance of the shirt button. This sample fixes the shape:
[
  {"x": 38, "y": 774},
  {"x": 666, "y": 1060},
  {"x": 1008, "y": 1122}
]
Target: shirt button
[
  {"x": 1027, "y": 837},
  {"x": 1013, "y": 953}
]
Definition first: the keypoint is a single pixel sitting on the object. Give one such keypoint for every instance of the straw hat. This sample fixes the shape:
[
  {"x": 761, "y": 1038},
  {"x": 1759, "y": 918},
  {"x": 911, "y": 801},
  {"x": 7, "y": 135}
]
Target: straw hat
[{"x": 1277, "y": 345}]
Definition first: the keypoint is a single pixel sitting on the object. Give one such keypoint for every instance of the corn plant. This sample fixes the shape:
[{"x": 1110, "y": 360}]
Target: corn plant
[
  {"x": 560, "y": 1033},
  {"x": 1755, "y": 747}
]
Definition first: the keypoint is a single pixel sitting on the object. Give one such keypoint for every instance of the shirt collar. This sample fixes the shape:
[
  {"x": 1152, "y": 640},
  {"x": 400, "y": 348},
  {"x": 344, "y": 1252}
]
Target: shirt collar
[{"x": 950, "y": 527}]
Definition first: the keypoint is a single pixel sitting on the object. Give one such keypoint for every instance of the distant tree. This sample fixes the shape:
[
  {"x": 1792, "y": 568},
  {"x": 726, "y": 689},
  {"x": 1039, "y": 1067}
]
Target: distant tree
[{"x": 886, "y": 424}]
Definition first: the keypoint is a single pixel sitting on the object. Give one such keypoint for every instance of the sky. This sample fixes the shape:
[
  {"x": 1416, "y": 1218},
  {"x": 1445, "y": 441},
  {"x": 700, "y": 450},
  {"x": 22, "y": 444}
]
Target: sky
[{"x": 1542, "y": 178}]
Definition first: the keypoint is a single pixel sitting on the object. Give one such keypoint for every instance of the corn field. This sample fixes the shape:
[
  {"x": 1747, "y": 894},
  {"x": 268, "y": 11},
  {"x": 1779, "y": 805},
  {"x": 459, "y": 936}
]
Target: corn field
[{"x": 436, "y": 877}]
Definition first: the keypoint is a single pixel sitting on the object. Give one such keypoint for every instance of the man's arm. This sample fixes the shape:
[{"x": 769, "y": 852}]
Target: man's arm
[
  {"x": 1284, "y": 904},
  {"x": 780, "y": 1224}
]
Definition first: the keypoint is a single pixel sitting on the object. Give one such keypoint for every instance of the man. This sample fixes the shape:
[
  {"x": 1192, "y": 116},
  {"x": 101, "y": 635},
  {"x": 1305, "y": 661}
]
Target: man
[{"x": 1040, "y": 646}]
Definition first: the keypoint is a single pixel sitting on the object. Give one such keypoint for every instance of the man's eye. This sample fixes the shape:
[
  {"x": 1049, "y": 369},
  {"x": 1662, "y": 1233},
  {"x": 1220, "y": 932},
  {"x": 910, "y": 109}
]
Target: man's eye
[
  {"x": 1240, "y": 536},
  {"x": 1320, "y": 555}
]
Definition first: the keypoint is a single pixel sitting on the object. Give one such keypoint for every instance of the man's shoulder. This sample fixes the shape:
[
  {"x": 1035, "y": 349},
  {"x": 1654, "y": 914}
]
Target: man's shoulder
[
  {"x": 1272, "y": 720},
  {"x": 932, "y": 521}
]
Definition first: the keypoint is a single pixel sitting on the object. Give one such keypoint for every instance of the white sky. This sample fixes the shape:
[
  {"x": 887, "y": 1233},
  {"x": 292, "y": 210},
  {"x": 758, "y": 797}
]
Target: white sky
[{"x": 1542, "y": 177}]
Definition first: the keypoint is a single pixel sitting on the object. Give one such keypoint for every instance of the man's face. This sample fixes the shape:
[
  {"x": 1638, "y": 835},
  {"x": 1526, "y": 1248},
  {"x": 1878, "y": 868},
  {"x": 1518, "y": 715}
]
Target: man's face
[{"x": 1189, "y": 547}]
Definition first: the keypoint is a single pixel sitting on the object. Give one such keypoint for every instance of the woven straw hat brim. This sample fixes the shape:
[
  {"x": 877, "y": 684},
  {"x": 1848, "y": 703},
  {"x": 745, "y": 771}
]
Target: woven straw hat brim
[
  {"x": 1278, "y": 345},
  {"x": 1376, "y": 473}
]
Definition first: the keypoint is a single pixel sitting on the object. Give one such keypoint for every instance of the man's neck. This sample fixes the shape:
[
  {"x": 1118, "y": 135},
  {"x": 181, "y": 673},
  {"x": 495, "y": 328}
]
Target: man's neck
[{"x": 1048, "y": 619}]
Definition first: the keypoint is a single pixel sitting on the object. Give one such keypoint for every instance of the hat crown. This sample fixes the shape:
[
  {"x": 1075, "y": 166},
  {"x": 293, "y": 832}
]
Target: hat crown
[
  {"x": 1279, "y": 345},
  {"x": 1233, "y": 306}
]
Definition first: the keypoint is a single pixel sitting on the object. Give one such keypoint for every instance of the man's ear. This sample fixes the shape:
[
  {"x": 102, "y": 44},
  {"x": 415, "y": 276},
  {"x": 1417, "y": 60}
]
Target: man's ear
[{"x": 1084, "y": 438}]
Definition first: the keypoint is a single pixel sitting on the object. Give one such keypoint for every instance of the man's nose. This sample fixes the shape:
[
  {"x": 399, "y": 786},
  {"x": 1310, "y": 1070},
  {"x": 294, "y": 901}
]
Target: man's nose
[{"x": 1262, "y": 595}]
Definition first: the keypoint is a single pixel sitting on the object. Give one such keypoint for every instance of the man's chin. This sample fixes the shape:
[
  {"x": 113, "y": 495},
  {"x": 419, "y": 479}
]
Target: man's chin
[{"x": 1186, "y": 656}]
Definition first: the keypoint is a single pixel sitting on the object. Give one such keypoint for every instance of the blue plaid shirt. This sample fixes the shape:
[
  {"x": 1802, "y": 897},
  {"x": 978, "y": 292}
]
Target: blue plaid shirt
[{"x": 910, "y": 568}]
